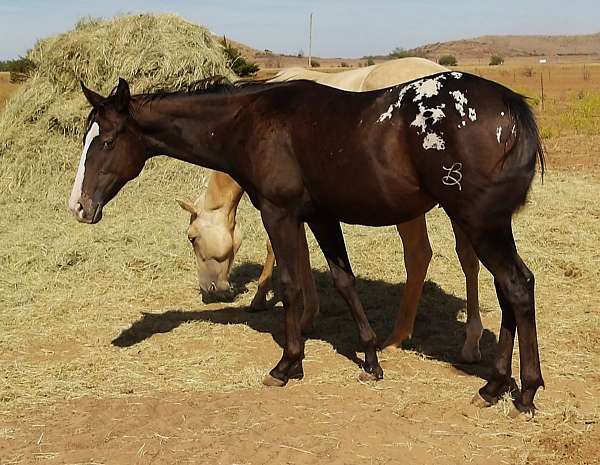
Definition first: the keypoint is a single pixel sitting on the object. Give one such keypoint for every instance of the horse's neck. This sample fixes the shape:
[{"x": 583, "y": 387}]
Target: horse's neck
[
  {"x": 223, "y": 194},
  {"x": 191, "y": 128}
]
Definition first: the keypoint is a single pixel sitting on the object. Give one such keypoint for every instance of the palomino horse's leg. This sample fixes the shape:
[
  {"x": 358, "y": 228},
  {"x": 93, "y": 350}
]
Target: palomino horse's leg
[
  {"x": 309, "y": 289},
  {"x": 330, "y": 239},
  {"x": 417, "y": 255},
  {"x": 284, "y": 231},
  {"x": 515, "y": 289},
  {"x": 470, "y": 265},
  {"x": 259, "y": 302}
]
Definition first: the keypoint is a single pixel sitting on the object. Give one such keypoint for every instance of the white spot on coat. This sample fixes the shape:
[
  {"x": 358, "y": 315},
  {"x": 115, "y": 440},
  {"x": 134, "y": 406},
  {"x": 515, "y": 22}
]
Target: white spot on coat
[
  {"x": 92, "y": 133},
  {"x": 422, "y": 119},
  {"x": 498, "y": 133},
  {"x": 427, "y": 88},
  {"x": 461, "y": 101},
  {"x": 398, "y": 104},
  {"x": 433, "y": 141},
  {"x": 472, "y": 114},
  {"x": 456, "y": 75},
  {"x": 501, "y": 113}
]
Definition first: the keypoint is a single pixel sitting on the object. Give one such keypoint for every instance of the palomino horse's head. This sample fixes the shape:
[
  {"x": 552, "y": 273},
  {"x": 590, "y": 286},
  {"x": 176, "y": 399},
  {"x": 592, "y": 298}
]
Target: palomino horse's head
[
  {"x": 215, "y": 245},
  {"x": 113, "y": 154}
]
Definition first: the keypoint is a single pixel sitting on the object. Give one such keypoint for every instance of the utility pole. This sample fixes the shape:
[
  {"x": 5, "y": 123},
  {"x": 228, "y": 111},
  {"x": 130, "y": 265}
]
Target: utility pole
[{"x": 310, "y": 42}]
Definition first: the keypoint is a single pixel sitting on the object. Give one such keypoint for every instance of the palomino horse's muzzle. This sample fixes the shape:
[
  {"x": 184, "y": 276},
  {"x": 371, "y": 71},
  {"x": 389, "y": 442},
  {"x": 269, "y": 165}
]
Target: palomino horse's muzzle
[{"x": 223, "y": 292}]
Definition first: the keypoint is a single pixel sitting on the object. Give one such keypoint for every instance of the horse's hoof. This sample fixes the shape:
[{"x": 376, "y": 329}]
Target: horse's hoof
[
  {"x": 366, "y": 377},
  {"x": 471, "y": 355},
  {"x": 519, "y": 410},
  {"x": 480, "y": 402},
  {"x": 271, "y": 381},
  {"x": 371, "y": 372}
]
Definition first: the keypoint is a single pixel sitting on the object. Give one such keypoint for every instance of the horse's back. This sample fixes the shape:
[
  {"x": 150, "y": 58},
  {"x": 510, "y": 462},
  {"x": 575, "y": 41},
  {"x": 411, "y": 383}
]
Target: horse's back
[
  {"x": 351, "y": 80},
  {"x": 391, "y": 73}
]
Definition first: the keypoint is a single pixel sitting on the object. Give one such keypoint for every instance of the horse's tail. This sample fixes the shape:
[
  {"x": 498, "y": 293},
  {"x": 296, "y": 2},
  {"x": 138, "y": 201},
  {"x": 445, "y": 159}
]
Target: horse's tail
[{"x": 517, "y": 167}]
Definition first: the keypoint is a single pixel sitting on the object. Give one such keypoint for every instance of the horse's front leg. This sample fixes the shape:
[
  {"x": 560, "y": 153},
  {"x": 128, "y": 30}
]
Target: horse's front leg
[{"x": 284, "y": 231}]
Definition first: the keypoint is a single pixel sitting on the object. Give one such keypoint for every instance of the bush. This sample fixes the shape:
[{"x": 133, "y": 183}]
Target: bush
[
  {"x": 315, "y": 64},
  {"x": 448, "y": 60},
  {"x": 20, "y": 65},
  {"x": 370, "y": 62},
  {"x": 403, "y": 53},
  {"x": 237, "y": 62},
  {"x": 496, "y": 60},
  {"x": 343, "y": 64}
]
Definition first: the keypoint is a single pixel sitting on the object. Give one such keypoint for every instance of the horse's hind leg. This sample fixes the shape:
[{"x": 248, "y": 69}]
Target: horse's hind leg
[
  {"x": 417, "y": 255},
  {"x": 330, "y": 239},
  {"x": 259, "y": 302},
  {"x": 470, "y": 266},
  {"x": 515, "y": 289}
]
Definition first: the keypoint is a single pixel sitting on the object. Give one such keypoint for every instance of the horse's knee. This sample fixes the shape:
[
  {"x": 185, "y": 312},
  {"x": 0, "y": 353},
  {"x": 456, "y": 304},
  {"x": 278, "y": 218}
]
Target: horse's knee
[{"x": 290, "y": 290}]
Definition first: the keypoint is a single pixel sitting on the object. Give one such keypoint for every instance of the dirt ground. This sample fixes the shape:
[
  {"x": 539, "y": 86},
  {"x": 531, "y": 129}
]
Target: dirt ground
[{"x": 108, "y": 356}]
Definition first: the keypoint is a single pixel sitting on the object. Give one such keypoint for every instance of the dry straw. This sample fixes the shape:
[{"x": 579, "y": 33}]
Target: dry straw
[{"x": 41, "y": 126}]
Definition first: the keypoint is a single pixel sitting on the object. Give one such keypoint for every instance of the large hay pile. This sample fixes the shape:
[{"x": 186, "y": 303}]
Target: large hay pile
[{"x": 40, "y": 128}]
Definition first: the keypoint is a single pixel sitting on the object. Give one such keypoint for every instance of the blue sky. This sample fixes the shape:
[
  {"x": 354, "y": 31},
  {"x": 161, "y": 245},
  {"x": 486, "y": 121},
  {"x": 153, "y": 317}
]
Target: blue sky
[{"x": 345, "y": 28}]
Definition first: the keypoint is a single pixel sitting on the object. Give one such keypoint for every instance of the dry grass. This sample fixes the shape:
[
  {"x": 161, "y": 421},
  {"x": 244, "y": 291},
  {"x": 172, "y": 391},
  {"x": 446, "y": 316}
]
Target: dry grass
[
  {"x": 571, "y": 94},
  {"x": 112, "y": 311}
]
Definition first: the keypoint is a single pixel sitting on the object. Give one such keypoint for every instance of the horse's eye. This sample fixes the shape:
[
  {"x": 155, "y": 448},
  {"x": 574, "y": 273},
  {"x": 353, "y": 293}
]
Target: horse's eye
[{"x": 108, "y": 143}]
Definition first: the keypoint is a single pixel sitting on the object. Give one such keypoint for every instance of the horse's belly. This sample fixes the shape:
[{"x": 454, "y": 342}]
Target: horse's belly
[{"x": 372, "y": 202}]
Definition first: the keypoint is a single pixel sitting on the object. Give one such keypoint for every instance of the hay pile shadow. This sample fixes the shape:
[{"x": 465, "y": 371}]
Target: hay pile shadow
[{"x": 438, "y": 334}]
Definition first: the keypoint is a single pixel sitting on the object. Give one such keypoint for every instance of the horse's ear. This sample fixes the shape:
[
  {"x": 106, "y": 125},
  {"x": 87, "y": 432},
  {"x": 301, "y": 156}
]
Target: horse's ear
[
  {"x": 122, "y": 95},
  {"x": 187, "y": 206},
  {"x": 91, "y": 96}
]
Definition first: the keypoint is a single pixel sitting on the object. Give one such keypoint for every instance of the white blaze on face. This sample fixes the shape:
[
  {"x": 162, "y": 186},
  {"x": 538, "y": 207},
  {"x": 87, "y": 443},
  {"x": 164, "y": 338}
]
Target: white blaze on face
[
  {"x": 92, "y": 133},
  {"x": 499, "y": 133}
]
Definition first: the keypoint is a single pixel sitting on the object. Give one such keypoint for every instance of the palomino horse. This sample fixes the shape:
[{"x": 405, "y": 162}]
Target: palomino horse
[
  {"x": 215, "y": 237},
  {"x": 305, "y": 152}
]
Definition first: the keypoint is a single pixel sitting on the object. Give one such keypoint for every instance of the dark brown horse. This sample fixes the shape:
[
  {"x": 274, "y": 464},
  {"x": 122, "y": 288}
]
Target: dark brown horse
[{"x": 309, "y": 153}]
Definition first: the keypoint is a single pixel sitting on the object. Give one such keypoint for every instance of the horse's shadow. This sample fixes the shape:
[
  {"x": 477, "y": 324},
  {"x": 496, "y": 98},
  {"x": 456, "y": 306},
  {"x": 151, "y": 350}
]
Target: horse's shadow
[{"x": 437, "y": 334}]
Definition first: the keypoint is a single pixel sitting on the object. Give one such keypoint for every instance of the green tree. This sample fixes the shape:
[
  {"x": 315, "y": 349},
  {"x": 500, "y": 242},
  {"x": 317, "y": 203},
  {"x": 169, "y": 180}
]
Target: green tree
[
  {"x": 496, "y": 60},
  {"x": 448, "y": 60},
  {"x": 238, "y": 64}
]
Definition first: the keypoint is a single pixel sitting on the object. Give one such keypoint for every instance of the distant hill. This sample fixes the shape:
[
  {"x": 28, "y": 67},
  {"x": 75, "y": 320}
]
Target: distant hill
[
  {"x": 479, "y": 49},
  {"x": 516, "y": 47}
]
